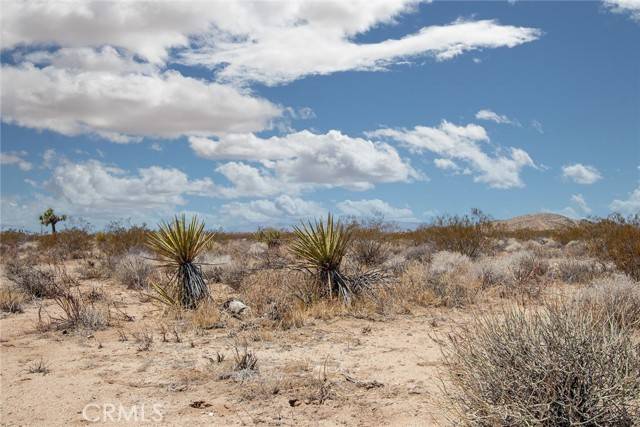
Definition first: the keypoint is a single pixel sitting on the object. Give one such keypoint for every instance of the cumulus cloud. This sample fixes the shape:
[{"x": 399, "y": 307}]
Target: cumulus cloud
[
  {"x": 307, "y": 159},
  {"x": 281, "y": 210},
  {"x": 629, "y": 206},
  {"x": 580, "y": 202},
  {"x": 148, "y": 29},
  {"x": 463, "y": 143},
  {"x": 581, "y": 174},
  {"x": 374, "y": 208},
  {"x": 127, "y": 106},
  {"x": 15, "y": 158},
  {"x": 494, "y": 117},
  {"x": 94, "y": 187},
  {"x": 627, "y": 7}
]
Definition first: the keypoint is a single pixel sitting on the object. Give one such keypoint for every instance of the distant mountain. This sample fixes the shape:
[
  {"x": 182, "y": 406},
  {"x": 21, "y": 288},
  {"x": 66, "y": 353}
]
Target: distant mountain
[{"x": 538, "y": 221}]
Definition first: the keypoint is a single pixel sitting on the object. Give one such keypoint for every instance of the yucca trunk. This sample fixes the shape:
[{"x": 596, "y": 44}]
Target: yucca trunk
[
  {"x": 336, "y": 284},
  {"x": 192, "y": 286}
]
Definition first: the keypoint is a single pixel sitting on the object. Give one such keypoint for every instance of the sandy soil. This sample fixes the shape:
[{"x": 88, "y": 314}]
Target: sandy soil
[{"x": 371, "y": 371}]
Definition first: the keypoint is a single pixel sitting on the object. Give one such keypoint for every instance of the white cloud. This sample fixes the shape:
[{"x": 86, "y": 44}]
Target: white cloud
[
  {"x": 462, "y": 143},
  {"x": 96, "y": 188},
  {"x": 630, "y": 7},
  {"x": 125, "y": 107},
  {"x": 280, "y": 211},
  {"x": 581, "y": 174},
  {"x": 581, "y": 203},
  {"x": 494, "y": 117},
  {"x": 628, "y": 206},
  {"x": 312, "y": 41},
  {"x": 147, "y": 29},
  {"x": 374, "y": 208},
  {"x": 306, "y": 159},
  {"x": 16, "y": 158},
  {"x": 446, "y": 164}
]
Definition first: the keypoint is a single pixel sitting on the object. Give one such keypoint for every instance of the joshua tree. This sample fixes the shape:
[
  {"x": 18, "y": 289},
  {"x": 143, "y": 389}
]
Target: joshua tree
[
  {"x": 321, "y": 247},
  {"x": 50, "y": 218},
  {"x": 177, "y": 245}
]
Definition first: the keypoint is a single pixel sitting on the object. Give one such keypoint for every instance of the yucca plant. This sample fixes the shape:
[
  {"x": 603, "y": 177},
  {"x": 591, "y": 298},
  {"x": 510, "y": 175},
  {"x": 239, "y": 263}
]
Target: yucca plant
[
  {"x": 321, "y": 247},
  {"x": 177, "y": 244}
]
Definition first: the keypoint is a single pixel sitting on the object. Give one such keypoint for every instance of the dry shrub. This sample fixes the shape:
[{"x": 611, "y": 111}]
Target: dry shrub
[
  {"x": 468, "y": 234},
  {"x": 553, "y": 367},
  {"x": 11, "y": 300},
  {"x": 519, "y": 274},
  {"x": 10, "y": 242},
  {"x": 279, "y": 296},
  {"x": 369, "y": 252},
  {"x": 133, "y": 270},
  {"x": 120, "y": 238},
  {"x": 78, "y": 311},
  {"x": 33, "y": 281},
  {"x": 578, "y": 270},
  {"x": 207, "y": 316},
  {"x": 225, "y": 269},
  {"x": 72, "y": 243},
  {"x": 615, "y": 298},
  {"x": 421, "y": 252},
  {"x": 450, "y": 279}
]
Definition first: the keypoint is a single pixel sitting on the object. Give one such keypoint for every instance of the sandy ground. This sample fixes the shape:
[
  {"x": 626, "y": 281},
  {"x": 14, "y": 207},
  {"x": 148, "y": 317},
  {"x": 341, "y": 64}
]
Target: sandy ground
[{"x": 371, "y": 371}]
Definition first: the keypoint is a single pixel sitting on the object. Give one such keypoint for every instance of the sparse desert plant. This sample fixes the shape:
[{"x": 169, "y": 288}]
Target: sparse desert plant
[
  {"x": 321, "y": 246},
  {"x": 449, "y": 279},
  {"x": 245, "y": 359},
  {"x": 133, "y": 271},
  {"x": 468, "y": 234},
  {"x": 73, "y": 243},
  {"x": 421, "y": 252},
  {"x": 269, "y": 236},
  {"x": 38, "y": 367},
  {"x": 49, "y": 218},
  {"x": 529, "y": 276},
  {"x": 77, "y": 312},
  {"x": 177, "y": 245},
  {"x": 577, "y": 270},
  {"x": 615, "y": 298},
  {"x": 11, "y": 300},
  {"x": 370, "y": 252},
  {"x": 33, "y": 281},
  {"x": 551, "y": 367}
]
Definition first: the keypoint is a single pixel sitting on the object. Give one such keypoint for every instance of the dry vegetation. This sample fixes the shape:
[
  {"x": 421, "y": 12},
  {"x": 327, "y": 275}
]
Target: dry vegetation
[{"x": 462, "y": 321}]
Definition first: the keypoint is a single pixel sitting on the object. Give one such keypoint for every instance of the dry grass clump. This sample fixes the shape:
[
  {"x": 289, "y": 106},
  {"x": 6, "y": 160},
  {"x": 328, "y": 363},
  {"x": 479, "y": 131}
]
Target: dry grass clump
[
  {"x": 134, "y": 270},
  {"x": 11, "y": 300},
  {"x": 421, "y": 252},
  {"x": 33, "y": 281},
  {"x": 553, "y": 367},
  {"x": 279, "y": 296},
  {"x": 615, "y": 298},
  {"x": 78, "y": 311}
]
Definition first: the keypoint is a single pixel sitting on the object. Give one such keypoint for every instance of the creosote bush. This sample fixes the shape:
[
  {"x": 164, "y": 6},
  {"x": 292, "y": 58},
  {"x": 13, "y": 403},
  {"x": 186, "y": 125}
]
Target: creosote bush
[{"x": 557, "y": 366}]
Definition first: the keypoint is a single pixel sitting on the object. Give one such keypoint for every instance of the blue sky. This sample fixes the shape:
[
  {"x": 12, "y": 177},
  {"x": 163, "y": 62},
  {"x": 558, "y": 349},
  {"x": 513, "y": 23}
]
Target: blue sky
[{"x": 255, "y": 114}]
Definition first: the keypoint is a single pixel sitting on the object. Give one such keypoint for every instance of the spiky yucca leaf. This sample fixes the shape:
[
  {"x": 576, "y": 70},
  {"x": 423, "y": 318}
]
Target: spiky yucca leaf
[
  {"x": 321, "y": 247},
  {"x": 177, "y": 244}
]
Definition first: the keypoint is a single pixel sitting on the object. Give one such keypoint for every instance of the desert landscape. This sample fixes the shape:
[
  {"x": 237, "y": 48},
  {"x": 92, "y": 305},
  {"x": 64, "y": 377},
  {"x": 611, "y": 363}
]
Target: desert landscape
[
  {"x": 426, "y": 335},
  {"x": 319, "y": 213}
]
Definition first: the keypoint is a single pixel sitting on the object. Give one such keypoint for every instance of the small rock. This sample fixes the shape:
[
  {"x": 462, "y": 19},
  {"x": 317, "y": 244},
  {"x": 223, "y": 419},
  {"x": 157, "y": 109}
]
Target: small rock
[{"x": 235, "y": 306}]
